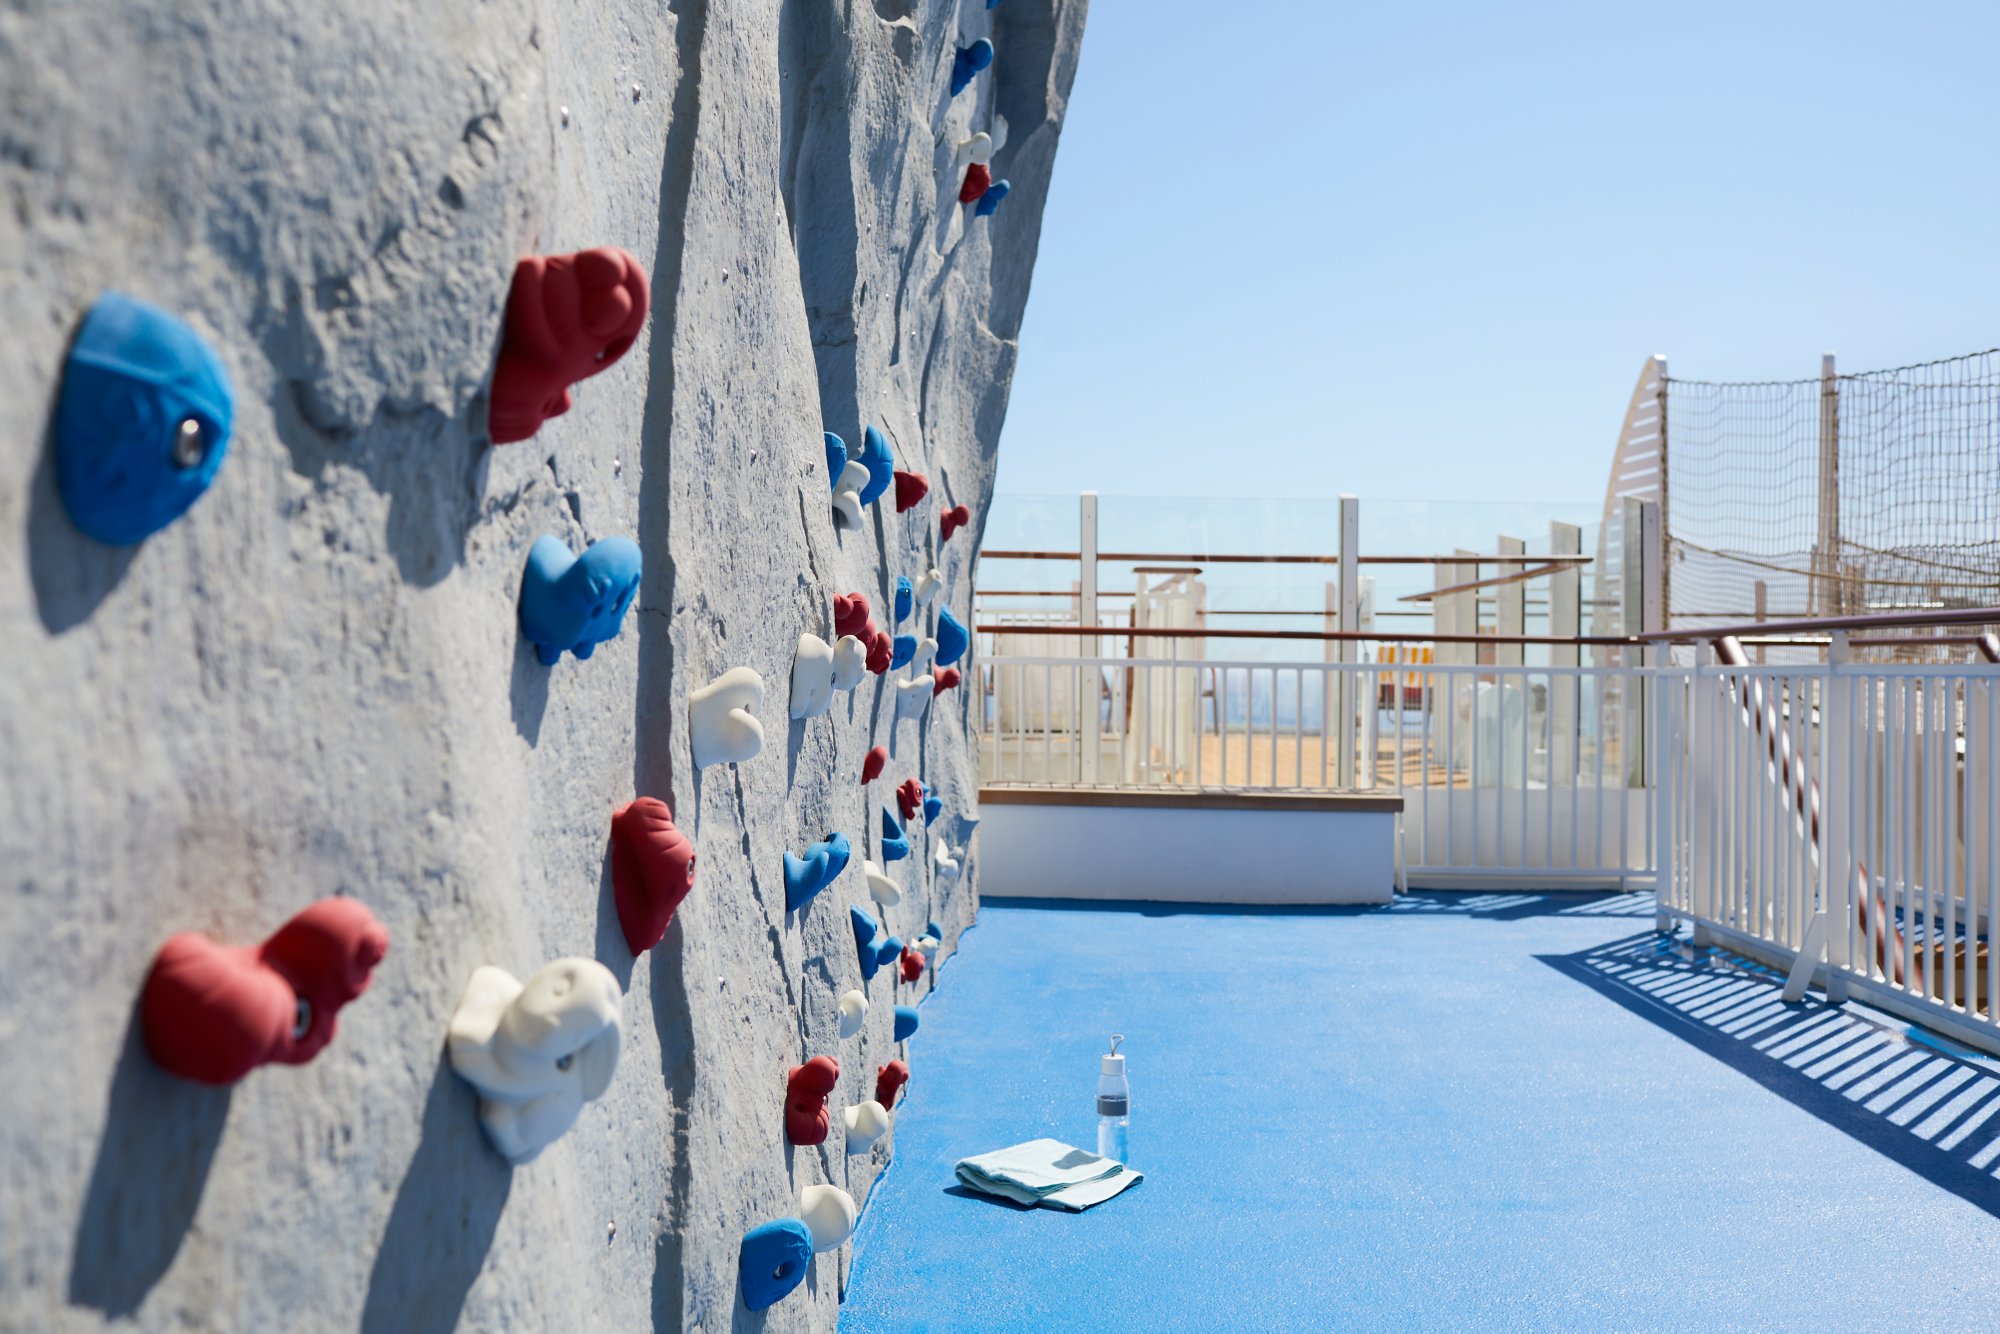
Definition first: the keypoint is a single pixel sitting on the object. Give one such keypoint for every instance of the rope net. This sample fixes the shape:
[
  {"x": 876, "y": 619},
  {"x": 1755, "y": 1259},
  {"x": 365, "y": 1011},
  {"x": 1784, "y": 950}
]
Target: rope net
[{"x": 1853, "y": 494}]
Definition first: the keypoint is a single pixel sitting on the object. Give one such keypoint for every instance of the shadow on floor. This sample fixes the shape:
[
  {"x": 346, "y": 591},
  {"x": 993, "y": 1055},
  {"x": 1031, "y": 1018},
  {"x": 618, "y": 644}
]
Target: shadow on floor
[
  {"x": 1899, "y": 1091},
  {"x": 1499, "y": 907}
]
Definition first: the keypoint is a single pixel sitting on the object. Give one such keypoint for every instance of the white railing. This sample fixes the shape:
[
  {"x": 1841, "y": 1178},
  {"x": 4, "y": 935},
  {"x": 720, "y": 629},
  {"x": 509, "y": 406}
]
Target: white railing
[
  {"x": 1510, "y": 775},
  {"x": 1842, "y": 815}
]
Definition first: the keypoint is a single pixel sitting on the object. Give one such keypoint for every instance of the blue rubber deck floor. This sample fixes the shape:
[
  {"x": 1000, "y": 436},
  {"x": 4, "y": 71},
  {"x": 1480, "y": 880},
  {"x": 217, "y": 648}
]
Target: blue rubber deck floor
[{"x": 1462, "y": 1111}]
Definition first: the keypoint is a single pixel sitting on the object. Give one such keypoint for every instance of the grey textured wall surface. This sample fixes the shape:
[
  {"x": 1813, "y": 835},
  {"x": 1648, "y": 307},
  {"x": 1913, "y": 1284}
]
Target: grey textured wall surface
[{"x": 314, "y": 683}]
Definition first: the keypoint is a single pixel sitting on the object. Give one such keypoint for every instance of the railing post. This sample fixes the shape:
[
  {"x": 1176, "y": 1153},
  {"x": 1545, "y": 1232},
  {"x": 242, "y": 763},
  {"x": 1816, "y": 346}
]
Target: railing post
[
  {"x": 1089, "y": 648},
  {"x": 1350, "y": 621},
  {"x": 1836, "y": 839},
  {"x": 1823, "y": 597},
  {"x": 1510, "y": 607},
  {"x": 1643, "y": 612},
  {"x": 1565, "y": 621}
]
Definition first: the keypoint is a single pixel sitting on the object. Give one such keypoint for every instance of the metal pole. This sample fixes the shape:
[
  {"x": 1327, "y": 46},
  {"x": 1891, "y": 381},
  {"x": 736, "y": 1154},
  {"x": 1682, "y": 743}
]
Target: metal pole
[
  {"x": 1090, "y": 685},
  {"x": 1824, "y": 598},
  {"x": 1350, "y": 620}
]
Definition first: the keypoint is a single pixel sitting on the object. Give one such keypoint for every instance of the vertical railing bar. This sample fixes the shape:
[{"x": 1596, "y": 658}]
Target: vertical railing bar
[{"x": 1451, "y": 768}]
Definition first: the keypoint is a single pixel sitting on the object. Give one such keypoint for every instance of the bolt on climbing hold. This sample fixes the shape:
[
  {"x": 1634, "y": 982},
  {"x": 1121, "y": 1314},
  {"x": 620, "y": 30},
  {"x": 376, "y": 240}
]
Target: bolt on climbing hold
[
  {"x": 873, "y": 762},
  {"x": 806, "y": 1087},
  {"x": 828, "y": 1213},
  {"x": 880, "y": 887},
  {"x": 989, "y": 202},
  {"x": 865, "y": 929},
  {"x": 978, "y": 177},
  {"x": 912, "y": 963},
  {"x": 906, "y": 1022},
  {"x": 911, "y": 487},
  {"x": 895, "y": 843},
  {"x": 945, "y": 678},
  {"x": 574, "y": 603},
  {"x": 951, "y": 637},
  {"x": 889, "y": 1081},
  {"x": 969, "y": 61},
  {"x": 722, "y": 725},
  {"x": 569, "y": 317},
  {"x": 652, "y": 870},
  {"x": 929, "y": 584},
  {"x": 853, "y": 1010},
  {"x": 951, "y": 521},
  {"x": 904, "y": 599},
  {"x": 536, "y": 1053},
  {"x": 812, "y": 677},
  {"x": 772, "y": 1260},
  {"x": 866, "y": 1122},
  {"x": 806, "y": 876},
  {"x": 914, "y": 696}
]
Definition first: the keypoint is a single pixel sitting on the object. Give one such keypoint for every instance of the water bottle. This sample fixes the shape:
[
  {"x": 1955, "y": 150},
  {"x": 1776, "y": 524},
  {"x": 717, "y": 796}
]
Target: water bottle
[{"x": 1114, "y": 1104}]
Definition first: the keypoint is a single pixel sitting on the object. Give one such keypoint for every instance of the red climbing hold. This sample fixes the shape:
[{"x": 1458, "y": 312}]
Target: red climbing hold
[
  {"x": 880, "y": 651},
  {"x": 911, "y": 487},
  {"x": 213, "y": 1013},
  {"x": 952, "y": 520},
  {"x": 850, "y": 615},
  {"x": 977, "y": 177},
  {"x": 889, "y": 1081},
  {"x": 568, "y": 317},
  {"x": 913, "y": 964},
  {"x": 944, "y": 679},
  {"x": 871, "y": 767},
  {"x": 910, "y": 798},
  {"x": 652, "y": 870},
  {"x": 806, "y": 1087}
]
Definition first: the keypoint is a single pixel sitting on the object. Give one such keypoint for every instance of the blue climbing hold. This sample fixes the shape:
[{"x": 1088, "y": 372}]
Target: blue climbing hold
[
  {"x": 773, "y": 1260},
  {"x": 951, "y": 638},
  {"x": 891, "y": 950},
  {"x": 880, "y": 463},
  {"x": 991, "y": 200},
  {"x": 933, "y": 930},
  {"x": 895, "y": 843},
  {"x": 968, "y": 62},
  {"x": 577, "y": 602},
  {"x": 992, "y": 4},
  {"x": 932, "y": 806},
  {"x": 902, "y": 649},
  {"x": 142, "y": 422},
  {"x": 906, "y": 1021},
  {"x": 905, "y": 599},
  {"x": 806, "y": 876},
  {"x": 864, "y": 940},
  {"x": 836, "y": 459}
]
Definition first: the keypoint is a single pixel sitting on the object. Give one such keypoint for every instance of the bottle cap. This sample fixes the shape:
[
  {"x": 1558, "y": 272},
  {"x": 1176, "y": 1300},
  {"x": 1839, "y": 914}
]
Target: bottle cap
[{"x": 1111, "y": 1063}]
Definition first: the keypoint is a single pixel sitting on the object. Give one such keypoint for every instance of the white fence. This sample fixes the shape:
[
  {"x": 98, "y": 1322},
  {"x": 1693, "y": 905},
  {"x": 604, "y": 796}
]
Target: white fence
[
  {"x": 1509, "y": 775},
  {"x": 1844, "y": 814}
]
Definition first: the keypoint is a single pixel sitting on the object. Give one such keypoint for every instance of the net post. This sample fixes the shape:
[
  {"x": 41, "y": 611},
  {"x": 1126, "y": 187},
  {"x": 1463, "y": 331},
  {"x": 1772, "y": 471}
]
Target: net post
[{"x": 1089, "y": 647}]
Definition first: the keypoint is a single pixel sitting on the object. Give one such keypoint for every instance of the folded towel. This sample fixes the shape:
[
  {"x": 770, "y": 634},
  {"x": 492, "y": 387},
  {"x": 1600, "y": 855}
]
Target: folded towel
[{"x": 1047, "y": 1172}]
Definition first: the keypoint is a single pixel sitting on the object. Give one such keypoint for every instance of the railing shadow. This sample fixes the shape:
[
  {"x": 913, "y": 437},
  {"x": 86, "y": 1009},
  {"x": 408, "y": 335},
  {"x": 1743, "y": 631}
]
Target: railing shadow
[
  {"x": 1498, "y": 907},
  {"x": 1917, "y": 1099}
]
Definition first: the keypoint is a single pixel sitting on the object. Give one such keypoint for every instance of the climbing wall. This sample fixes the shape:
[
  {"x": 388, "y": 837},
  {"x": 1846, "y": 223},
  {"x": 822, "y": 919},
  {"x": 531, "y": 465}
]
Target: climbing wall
[{"x": 315, "y": 682}]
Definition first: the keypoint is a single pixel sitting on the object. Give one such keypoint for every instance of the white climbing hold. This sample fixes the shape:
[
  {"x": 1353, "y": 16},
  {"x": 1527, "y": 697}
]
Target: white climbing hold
[
  {"x": 880, "y": 887},
  {"x": 929, "y": 584},
  {"x": 812, "y": 677},
  {"x": 850, "y": 662},
  {"x": 722, "y": 722},
  {"x": 927, "y": 945},
  {"x": 847, "y": 495},
  {"x": 853, "y": 1009},
  {"x": 979, "y": 148},
  {"x": 828, "y": 1213},
  {"x": 926, "y": 650},
  {"x": 914, "y": 696},
  {"x": 947, "y": 860},
  {"x": 866, "y": 1123},
  {"x": 999, "y": 131},
  {"x": 536, "y": 1053}
]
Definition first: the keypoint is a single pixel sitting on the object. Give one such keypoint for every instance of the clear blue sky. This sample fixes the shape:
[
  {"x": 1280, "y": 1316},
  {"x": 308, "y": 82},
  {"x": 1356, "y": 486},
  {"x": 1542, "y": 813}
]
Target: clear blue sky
[{"x": 1422, "y": 250}]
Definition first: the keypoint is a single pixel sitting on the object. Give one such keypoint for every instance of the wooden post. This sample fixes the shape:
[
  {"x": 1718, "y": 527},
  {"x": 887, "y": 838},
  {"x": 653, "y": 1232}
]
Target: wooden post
[
  {"x": 1350, "y": 619},
  {"x": 1565, "y": 622},
  {"x": 1089, "y": 648}
]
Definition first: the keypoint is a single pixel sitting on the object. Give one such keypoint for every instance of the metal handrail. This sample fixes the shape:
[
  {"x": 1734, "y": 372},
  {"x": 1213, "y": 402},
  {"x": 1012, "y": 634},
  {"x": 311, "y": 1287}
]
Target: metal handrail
[
  {"x": 1317, "y": 636},
  {"x": 1123, "y": 556},
  {"x": 1827, "y": 624}
]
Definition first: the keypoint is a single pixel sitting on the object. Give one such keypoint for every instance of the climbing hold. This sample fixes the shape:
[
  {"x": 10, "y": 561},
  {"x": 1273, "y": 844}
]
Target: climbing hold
[
  {"x": 991, "y": 200},
  {"x": 866, "y": 1122},
  {"x": 978, "y": 148},
  {"x": 913, "y": 963},
  {"x": 913, "y": 696},
  {"x": 853, "y": 1009},
  {"x": 969, "y": 61},
  {"x": 850, "y": 662},
  {"x": 933, "y": 930},
  {"x": 911, "y": 487},
  {"x": 947, "y": 861},
  {"x": 906, "y": 1021},
  {"x": 910, "y": 798},
  {"x": 952, "y": 520},
  {"x": 568, "y": 318},
  {"x": 895, "y": 843},
  {"x": 932, "y": 806},
  {"x": 836, "y": 458},
  {"x": 773, "y": 1260},
  {"x": 213, "y": 1013},
  {"x": 881, "y": 652},
  {"x": 951, "y": 637},
  {"x": 872, "y": 763},
  {"x": 889, "y": 1081},
  {"x": 902, "y": 649},
  {"x": 903, "y": 599},
  {"x": 652, "y": 870},
  {"x": 890, "y": 950},
  {"x": 806, "y": 876},
  {"x": 828, "y": 1213},
  {"x": 945, "y": 679},
  {"x": 536, "y": 1053},
  {"x": 929, "y": 584},
  {"x": 850, "y": 615},
  {"x": 806, "y": 1087},
  {"x": 880, "y": 887},
  {"x": 722, "y": 724},
  {"x": 812, "y": 677},
  {"x": 142, "y": 421},
  {"x": 576, "y": 602},
  {"x": 926, "y": 944},
  {"x": 880, "y": 462},
  {"x": 865, "y": 928},
  {"x": 847, "y": 489},
  {"x": 925, "y": 651},
  {"x": 977, "y": 177}
]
